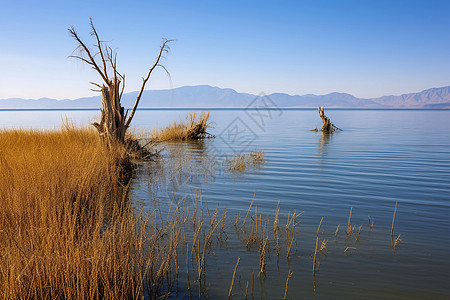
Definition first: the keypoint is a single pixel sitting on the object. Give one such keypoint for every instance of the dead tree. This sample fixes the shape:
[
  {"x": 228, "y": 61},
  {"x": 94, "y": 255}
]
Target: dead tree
[
  {"x": 327, "y": 126},
  {"x": 114, "y": 120}
]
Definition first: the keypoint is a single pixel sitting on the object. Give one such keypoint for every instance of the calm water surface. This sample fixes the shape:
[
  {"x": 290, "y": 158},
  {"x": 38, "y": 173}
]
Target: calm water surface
[{"x": 381, "y": 157}]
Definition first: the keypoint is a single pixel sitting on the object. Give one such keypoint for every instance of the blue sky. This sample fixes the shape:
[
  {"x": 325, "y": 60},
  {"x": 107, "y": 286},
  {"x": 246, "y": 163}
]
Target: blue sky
[{"x": 365, "y": 48}]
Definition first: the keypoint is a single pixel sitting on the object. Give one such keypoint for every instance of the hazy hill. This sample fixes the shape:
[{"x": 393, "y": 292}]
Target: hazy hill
[
  {"x": 213, "y": 97},
  {"x": 439, "y": 96}
]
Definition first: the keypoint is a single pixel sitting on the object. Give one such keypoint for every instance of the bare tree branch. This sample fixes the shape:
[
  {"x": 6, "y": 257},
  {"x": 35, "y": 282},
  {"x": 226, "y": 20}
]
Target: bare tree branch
[
  {"x": 83, "y": 59},
  {"x": 96, "y": 84},
  {"x": 74, "y": 34},
  {"x": 133, "y": 111},
  {"x": 167, "y": 72},
  {"x": 99, "y": 46},
  {"x": 121, "y": 92}
]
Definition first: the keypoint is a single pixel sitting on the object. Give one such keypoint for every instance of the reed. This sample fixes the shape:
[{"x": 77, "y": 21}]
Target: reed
[
  {"x": 222, "y": 227},
  {"x": 232, "y": 280},
  {"x": 349, "y": 225},
  {"x": 256, "y": 222},
  {"x": 67, "y": 227},
  {"x": 393, "y": 220},
  {"x": 241, "y": 161},
  {"x": 288, "y": 250},
  {"x": 371, "y": 224},
  {"x": 277, "y": 247},
  {"x": 397, "y": 241},
  {"x": 276, "y": 229},
  {"x": 348, "y": 251},
  {"x": 195, "y": 127},
  {"x": 276, "y": 218},
  {"x": 265, "y": 246},
  {"x": 251, "y": 238},
  {"x": 238, "y": 162},
  {"x": 249, "y": 208},
  {"x": 323, "y": 246},
  {"x": 236, "y": 222},
  {"x": 262, "y": 256},
  {"x": 317, "y": 243},
  {"x": 318, "y": 228},
  {"x": 359, "y": 232},
  {"x": 287, "y": 282},
  {"x": 246, "y": 291},
  {"x": 257, "y": 157},
  {"x": 315, "y": 255}
]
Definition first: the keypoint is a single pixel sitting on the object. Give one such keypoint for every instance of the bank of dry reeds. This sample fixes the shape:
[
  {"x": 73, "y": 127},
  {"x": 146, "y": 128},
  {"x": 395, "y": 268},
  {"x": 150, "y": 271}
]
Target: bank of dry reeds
[
  {"x": 66, "y": 230},
  {"x": 195, "y": 127}
]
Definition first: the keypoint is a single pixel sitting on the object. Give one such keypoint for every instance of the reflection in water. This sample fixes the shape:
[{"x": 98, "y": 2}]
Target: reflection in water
[
  {"x": 181, "y": 170},
  {"x": 324, "y": 140}
]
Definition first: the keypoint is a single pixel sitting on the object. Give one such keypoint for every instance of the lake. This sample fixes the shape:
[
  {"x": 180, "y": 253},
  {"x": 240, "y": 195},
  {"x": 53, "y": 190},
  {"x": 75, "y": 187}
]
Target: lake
[{"x": 380, "y": 158}]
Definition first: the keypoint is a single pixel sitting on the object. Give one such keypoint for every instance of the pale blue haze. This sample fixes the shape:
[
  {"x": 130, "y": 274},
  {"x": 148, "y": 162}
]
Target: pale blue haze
[{"x": 365, "y": 48}]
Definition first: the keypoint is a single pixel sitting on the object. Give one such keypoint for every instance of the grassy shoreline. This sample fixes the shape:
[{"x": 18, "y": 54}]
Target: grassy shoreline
[
  {"x": 65, "y": 231},
  {"x": 68, "y": 230}
]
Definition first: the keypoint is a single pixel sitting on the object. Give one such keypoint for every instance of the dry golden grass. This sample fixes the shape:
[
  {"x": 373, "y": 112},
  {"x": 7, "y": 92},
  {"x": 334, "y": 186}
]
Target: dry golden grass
[
  {"x": 315, "y": 251},
  {"x": 66, "y": 230},
  {"x": 194, "y": 128},
  {"x": 241, "y": 161},
  {"x": 232, "y": 280},
  {"x": 287, "y": 282}
]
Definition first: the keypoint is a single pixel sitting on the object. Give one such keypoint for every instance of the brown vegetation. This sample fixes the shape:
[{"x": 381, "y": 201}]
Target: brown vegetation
[
  {"x": 193, "y": 129},
  {"x": 398, "y": 240},
  {"x": 66, "y": 227},
  {"x": 241, "y": 161}
]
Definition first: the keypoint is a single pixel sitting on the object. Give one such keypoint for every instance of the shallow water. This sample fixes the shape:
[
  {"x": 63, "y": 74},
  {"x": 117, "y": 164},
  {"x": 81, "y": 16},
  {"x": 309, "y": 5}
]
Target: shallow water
[{"x": 379, "y": 158}]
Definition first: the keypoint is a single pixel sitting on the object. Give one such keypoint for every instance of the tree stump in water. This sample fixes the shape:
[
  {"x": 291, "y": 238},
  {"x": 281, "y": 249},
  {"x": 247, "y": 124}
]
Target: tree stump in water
[{"x": 328, "y": 126}]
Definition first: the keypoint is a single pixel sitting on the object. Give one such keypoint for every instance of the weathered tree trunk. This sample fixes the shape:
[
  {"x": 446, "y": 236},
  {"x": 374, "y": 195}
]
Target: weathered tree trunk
[
  {"x": 327, "y": 126},
  {"x": 114, "y": 122},
  {"x": 112, "y": 125}
]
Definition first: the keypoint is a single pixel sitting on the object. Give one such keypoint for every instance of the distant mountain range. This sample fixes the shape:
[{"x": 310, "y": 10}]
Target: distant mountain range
[{"x": 204, "y": 96}]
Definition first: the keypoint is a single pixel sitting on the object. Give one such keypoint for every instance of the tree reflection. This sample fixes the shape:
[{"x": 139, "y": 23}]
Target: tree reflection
[
  {"x": 180, "y": 170},
  {"x": 324, "y": 141}
]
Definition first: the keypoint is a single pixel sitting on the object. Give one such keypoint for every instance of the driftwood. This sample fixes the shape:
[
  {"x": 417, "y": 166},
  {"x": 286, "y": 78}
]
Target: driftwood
[
  {"x": 328, "y": 126},
  {"x": 114, "y": 120}
]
